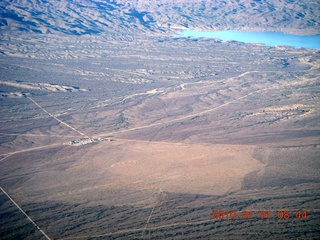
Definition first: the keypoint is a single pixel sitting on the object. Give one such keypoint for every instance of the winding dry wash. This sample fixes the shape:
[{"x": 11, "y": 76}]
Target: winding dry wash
[{"x": 111, "y": 127}]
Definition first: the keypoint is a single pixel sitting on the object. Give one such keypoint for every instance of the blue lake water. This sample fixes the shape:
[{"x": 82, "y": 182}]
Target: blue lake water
[{"x": 267, "y": 38}]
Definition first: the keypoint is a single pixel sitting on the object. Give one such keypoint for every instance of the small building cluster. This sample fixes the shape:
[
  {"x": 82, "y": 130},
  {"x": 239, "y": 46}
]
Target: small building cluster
[
  {"x": 79, "y": 142},
  {"x": 84, "y": 141}
]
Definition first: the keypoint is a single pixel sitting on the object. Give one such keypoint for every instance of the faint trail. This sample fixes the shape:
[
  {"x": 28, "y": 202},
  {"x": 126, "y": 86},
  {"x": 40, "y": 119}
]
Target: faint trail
[
  {"x": 196, "y": 114},
  {"x": 164, "y": 226},
  {"x": 27, "y": 150},
  {"x": 145, "y": 227},
  {"x": 6, "y": 157},
  {"x": 138, "y": 230},
  {"x": 64, "y": 123},
  {"x": 21, "y": 210},
  {"x": 185, "y": 117},
  {"x": 150, "y": 215},
  {"x": 131, "y": 129},
  {"x": 36, "y": 135}
]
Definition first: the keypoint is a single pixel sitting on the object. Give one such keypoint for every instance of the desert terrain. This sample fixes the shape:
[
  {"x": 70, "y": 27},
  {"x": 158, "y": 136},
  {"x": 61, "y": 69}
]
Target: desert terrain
[{"x": 129, "y": 132}]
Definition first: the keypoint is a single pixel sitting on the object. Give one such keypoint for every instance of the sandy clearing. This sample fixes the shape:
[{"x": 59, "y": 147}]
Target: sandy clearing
[
  {"x": 133, "y": 172},
  {"x": 176, "y": 167}
]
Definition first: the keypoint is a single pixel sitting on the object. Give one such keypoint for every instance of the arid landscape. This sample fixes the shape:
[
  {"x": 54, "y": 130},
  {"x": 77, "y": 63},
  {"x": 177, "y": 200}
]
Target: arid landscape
[{"x": 112, "y": 127}]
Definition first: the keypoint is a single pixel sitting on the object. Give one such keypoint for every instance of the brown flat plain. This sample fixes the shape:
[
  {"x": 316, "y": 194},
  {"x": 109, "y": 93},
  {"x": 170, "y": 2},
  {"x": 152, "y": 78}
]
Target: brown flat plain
[{"x": 134, "y": 167}]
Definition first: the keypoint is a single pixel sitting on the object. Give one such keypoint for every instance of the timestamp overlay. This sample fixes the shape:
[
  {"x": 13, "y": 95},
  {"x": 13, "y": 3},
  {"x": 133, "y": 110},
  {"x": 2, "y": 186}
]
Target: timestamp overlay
[{"x": 281, "y": 214}]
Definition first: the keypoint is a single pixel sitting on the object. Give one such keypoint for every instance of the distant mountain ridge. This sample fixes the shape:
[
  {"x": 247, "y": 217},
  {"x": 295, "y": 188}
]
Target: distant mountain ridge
[
  {"x": 79, "y": 17},
  {"x": 68, "y": 17}
]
